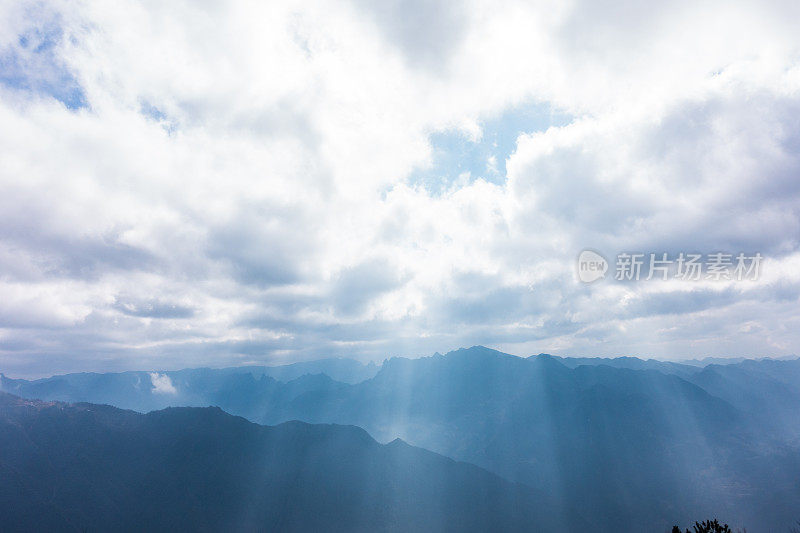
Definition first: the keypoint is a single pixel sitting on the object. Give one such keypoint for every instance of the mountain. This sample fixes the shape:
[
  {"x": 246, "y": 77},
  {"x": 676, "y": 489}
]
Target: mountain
[
  {"x": 705, "y": 361},
  {"x": 632, "y": 363},
  {"x": 90, "y": 467},
  {"x": 338, "y": 369},
  {"x": 146, "y": 391},
  {"x": 766, "y": 389},
  {"x": 633, "y": 443},
  {"x": 634, "y": 447}
]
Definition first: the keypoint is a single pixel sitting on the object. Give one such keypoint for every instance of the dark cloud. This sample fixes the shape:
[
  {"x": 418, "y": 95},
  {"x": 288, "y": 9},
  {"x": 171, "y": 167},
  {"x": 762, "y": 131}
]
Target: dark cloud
[
  {"x": 427, "y": 32},
  {"x": 356, "y": 286},
  {"x": 58, "y": 250},
  {"x": 264, "y": 246},
  {"x": 153, "y": 308},
  {"x": 679, "y": 302}
]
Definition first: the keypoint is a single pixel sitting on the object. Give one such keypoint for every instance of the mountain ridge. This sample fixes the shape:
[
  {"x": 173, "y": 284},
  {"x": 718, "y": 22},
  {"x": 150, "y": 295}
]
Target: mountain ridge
[
  {"x": 75, "y": 466},
  {"x": 599, "y": 434}
]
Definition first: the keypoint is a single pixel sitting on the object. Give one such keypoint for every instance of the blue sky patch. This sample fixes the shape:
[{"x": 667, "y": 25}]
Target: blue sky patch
[
  {"x": 34, "y": 66},
  {"x": 455, "y": 154}
]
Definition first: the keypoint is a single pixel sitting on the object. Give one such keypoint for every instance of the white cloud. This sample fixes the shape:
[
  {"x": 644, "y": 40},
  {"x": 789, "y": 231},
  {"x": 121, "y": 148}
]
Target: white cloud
[
  {"x": 162, "y": 384},
  {"x": 236, "y": 187}
]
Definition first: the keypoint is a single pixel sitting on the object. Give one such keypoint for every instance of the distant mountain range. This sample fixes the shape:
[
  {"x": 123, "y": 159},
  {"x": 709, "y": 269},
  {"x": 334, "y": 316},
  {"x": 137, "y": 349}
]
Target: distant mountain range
[
  {"x": 147, "y": 391},
  {"x": 634, "y": 444},
  {"x": 97, "y": 468}
]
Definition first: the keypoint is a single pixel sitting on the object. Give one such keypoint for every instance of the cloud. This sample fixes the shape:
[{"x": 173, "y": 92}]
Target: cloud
[
  {"x": 162, "y": 384},
  {"x": 152, "y": 308},
  {"x": 212, "y": 184},
  {"x": 428, "y": 33},
  {"x": 358, "y": 285}
]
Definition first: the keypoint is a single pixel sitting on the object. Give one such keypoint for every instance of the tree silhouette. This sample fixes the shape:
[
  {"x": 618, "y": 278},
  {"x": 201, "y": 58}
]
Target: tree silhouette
[{"x": 708, "y": 526}]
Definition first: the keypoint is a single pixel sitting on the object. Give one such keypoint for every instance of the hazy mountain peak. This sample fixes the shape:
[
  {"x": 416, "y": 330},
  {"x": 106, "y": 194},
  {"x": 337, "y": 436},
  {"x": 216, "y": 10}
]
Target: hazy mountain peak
[{"x": 477, "y": 351}]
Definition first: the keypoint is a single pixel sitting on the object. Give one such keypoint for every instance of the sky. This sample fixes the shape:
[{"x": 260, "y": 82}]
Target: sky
[{"x": 214, "y": 183}]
